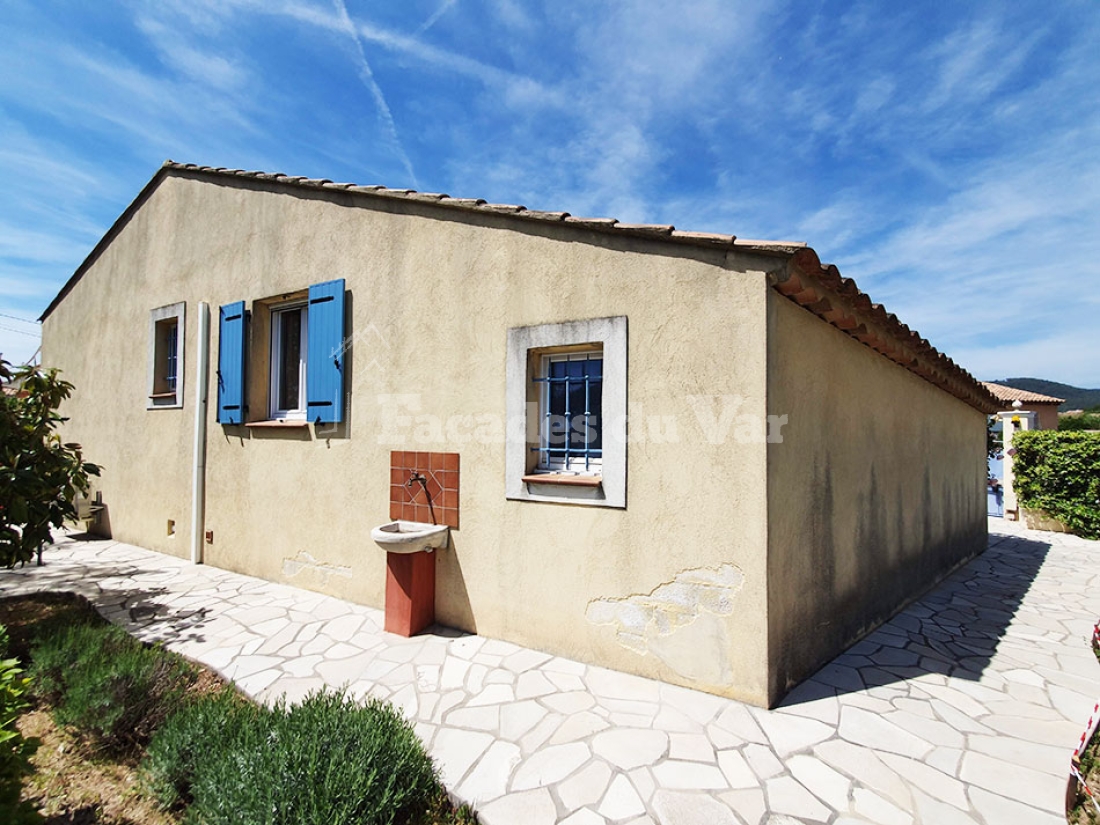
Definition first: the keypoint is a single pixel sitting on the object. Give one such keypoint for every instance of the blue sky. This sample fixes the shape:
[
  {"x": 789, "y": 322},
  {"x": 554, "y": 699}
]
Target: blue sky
[{"x": 945, "y": 155}]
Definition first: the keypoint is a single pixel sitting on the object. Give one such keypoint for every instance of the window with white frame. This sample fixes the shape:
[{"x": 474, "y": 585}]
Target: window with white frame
[
  {"x": 566, "y": 407},
  {"x": 289, "y": 337},
  {"x": 166, "y": 357}
]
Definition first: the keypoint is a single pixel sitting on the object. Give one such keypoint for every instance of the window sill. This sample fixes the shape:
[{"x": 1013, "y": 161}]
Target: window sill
[
  {"x": 278, "y": 424},
  {"x": 163, "y": 395},
  {"x": 564, "y": 479}
]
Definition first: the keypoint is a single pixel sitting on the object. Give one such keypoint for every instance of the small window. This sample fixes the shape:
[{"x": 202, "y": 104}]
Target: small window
[
  {"x": 166, "y": 357},
  {"x": 566, "y": 406},
  {"x": 289, "y": 337},
  {"x": 571, "y": 412}
]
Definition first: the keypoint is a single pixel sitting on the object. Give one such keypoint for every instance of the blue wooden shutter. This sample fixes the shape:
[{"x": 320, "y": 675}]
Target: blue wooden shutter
[
  {"x": 231, "y": 364},
  {"x": 325, "y": 353}
]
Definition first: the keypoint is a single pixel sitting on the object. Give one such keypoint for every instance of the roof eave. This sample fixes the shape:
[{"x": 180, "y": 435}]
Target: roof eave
[{"x": 838, "y": 301}]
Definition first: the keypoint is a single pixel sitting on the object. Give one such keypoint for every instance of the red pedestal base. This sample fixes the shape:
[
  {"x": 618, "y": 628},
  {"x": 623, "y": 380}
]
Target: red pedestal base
[{"x": 410, "y": 592}]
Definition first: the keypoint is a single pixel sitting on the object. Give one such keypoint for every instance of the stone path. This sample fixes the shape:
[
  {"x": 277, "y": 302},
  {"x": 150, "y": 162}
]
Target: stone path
[{"x": 963, "y": 709}]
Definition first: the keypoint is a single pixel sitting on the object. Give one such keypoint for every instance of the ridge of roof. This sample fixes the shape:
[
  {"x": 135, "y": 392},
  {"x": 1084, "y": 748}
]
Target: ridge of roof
[
  {"x": 664, "y": 231},
  {"x": 802, "y": 278},
  {"x": 1003, "y": 392}
]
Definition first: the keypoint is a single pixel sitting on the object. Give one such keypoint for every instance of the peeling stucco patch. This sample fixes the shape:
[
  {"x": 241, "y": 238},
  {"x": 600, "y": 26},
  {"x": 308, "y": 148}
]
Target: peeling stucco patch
[
  {"x": 642, "y": 620},
  {"x": 305, "y": 562}
]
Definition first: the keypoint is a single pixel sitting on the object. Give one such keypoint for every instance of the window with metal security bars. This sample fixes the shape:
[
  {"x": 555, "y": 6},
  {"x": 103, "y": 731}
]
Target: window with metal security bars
[
  {"x": 565, "y": 400},
  {"x": 166, "y": 357},
  {"x": 171, "y": 345},
  {"x": 571, "y": 412}
]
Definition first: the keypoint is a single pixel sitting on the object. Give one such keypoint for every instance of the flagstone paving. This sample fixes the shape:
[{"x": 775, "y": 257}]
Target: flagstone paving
[{"x": 962, "y": 709}]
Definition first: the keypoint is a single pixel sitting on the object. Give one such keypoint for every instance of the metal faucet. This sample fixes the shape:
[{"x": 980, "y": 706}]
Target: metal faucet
[{"x": 415, "y": 477}]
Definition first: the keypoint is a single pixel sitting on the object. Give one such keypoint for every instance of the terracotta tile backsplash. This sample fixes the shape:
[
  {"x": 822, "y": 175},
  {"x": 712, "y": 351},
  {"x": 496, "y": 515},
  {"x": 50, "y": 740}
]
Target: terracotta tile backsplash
[{"x": 409, "y": 502}]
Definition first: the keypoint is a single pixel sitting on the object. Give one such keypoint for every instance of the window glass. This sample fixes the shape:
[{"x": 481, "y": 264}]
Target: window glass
[
  {"x": 288, "y": 362},
  {"x": 572, "y": 412},
  {"x": 290, "y": 350},
  {"x": 170, "y": 341}
]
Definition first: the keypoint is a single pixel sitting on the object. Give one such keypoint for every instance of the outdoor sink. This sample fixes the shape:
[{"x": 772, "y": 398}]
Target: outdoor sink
[{"x": 410, "y": 536}]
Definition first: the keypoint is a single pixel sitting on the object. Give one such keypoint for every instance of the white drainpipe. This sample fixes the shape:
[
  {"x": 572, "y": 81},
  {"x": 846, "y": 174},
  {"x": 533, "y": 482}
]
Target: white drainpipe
[{"x": 198, "y": 475}]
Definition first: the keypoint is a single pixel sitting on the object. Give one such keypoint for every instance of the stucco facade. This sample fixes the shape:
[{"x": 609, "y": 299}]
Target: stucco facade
[{"x": 696, "y": 577}]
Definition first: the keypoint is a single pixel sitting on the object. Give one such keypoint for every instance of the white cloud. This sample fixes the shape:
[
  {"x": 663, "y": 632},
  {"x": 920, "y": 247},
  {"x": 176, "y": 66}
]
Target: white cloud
[
  {"x": 444, "y": 7},
  {"x": 192, "y": 63},
  {"x": 1064, "y": 356},
  {"x": 367, "y": 76}
]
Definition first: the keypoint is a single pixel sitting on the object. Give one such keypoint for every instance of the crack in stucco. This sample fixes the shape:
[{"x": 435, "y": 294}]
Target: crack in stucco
[
  {"x": 304, "y": 561},
  {"x": 642, "y": 619}
]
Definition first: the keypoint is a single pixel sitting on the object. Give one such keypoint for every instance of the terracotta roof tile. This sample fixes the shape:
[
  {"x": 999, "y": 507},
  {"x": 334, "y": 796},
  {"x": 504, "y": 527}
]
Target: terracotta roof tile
[
  {"x": 1009, "y": 394},
  {"x": 799, "y": 276}
]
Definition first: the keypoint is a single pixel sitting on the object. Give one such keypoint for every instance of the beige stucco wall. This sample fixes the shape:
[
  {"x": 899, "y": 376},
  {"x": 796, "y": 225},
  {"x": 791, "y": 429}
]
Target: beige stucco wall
[
  {"x": 1047, "y": 415},
  {"x": 876, "y": 492},
  {"x": 672, "y": 587}
]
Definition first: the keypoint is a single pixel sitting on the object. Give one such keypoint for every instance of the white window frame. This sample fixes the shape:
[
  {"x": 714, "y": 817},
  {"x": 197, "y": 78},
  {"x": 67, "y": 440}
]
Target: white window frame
[
  {"x": 159, "y": 318},
  {"x": 549, "y": 463},
  {"x": 277, "y": 313},
  {"x": 526, "y": 347}
]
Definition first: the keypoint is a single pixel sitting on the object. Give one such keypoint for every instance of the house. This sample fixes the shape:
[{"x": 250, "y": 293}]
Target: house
[
  {"x": 1045, "y": 407},
  {"x": 702, "y": 459}
]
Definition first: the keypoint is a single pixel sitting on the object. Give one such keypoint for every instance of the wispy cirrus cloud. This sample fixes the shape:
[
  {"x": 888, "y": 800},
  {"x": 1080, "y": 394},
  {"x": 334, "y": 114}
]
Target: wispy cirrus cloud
[
  {"x": 367, "y": 76},
  {"x": 945, "y": 160},
  {"x": 444, "y": 7}
]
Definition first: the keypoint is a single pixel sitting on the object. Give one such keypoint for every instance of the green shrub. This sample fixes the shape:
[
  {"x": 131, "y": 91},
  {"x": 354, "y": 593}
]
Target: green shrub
[
  {"x": 1059, "y": 472},
  {"x": 1082, "y": 421},
  {"x": 15, "y": 751},
  {"x": 327, "y": 761},
  {"x": 107, "y": 684},
  {"x": 189, "y": 737}
]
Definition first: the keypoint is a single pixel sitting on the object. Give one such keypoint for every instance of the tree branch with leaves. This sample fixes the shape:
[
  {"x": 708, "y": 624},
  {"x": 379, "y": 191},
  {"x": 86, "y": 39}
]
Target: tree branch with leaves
[{"x": 40, "y": 476}]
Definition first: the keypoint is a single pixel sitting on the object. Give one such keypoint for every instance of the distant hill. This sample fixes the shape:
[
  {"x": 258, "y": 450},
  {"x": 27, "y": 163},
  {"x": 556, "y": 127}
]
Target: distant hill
[{"x": 1076, "y": 397}]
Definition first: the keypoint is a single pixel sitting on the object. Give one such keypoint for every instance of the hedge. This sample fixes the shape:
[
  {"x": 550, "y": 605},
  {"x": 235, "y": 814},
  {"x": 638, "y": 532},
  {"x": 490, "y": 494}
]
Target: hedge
[{"x": 1059, "y": 472}]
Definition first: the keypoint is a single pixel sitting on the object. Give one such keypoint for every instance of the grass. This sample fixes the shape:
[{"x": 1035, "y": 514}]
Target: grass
[{"x": 131, "y": 733}]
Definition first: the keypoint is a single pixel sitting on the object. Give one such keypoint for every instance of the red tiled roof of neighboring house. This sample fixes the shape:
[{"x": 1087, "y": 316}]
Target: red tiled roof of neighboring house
[
  {"x": 1009, "y": 394},
  {"x": 799, "y": 275}
]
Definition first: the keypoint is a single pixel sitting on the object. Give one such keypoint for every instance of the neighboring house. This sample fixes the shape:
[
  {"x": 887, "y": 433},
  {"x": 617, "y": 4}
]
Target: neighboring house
[
  {"x": 798, "y": 464},
  {"x": 1045, "y": 407}
]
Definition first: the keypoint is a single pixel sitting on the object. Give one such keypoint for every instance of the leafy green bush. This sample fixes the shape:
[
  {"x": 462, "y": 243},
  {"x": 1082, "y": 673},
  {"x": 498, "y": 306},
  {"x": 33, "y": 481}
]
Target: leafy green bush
[
  {"x": 40, "y": 476},
  {"x": 15, "y": 751},
  {"x": 327, "y": 761},
  {"x": 1059, "y": 472},
  {"x": 107, "y": 684},
  {"x": 1074, "y": 423}
]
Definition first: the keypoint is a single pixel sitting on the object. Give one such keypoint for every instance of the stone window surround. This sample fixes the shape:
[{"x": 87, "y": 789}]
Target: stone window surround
[
  {"x": 161, "y": 401},
  {"x": 526, "y": 345}
]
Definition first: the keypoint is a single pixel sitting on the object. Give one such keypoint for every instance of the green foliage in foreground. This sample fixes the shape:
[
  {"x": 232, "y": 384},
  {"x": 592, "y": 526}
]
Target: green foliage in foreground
[
  {"x": 40, "y": 477},
  {"x": 328, "y": 761},
  {"x": 15, "y": 751},
  {"x": 1059, "y": 472},
  {"x": 108, "y": 685}
]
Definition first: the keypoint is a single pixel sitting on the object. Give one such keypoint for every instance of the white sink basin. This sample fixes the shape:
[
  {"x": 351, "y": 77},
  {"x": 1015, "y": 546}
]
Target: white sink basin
[{"x": 410, "y": 536}]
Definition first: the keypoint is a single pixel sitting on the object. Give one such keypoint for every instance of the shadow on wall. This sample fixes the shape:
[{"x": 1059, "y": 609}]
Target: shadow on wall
[
  {"x": 954, "y": 630},
  {"x": 451, "y": 589}
]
